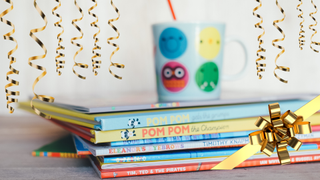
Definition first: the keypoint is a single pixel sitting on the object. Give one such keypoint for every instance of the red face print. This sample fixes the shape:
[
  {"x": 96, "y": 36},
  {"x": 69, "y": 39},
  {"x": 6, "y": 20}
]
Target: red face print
[{"x": 174, "y": 76}]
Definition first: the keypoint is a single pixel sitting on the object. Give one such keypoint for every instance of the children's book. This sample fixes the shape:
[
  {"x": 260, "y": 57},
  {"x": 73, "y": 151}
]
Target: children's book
[
  {"x": 195, "y": 160},
  {"x": 63, "y": 148},
  {"x": 107, "y": 150},
  {"x": 205, "y": 164},
  {"x": 174, "y": 155},
  {"x": 103, "y": 108},
  {"x": 156, "y": 118}
]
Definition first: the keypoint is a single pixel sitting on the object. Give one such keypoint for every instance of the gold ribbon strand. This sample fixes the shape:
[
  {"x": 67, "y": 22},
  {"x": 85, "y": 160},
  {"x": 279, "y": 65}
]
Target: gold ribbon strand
[
  {"x": 59, "y": 63},
  {"x": 95, "y": 63},
  {"x": 118, "y": 65},
  {"x": 81, "y": 65},
  {"x": 282, "y": 68},
  {"x": 260, "y": 66},
  {"x": 12, "y": 59},
  {"x": 313, "y": 29},
  {"x": 301, "y": 36},
  {"x": 36, "y": 96}
]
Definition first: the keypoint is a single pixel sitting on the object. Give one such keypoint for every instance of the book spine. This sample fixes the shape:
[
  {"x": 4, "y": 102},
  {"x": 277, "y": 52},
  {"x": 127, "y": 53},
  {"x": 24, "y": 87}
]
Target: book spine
[
  {"x": 191, "y": 115},
  {"x": 57, "y": 154},
  {"x": 245, "y": 124},
  {"x": 198, "y": 167},
  {"x": 108, "y": 161},
  {"x": 216, "y": 143},
  {"x": 181, "y": 138}
]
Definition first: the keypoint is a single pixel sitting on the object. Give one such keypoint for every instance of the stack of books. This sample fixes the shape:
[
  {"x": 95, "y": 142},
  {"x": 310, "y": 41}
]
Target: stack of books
[{"x": 173, "y": 137}]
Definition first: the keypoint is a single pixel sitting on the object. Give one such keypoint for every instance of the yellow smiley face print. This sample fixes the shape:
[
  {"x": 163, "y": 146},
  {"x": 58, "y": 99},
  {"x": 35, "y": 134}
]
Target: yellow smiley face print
[{"x": 208, "y": 43}]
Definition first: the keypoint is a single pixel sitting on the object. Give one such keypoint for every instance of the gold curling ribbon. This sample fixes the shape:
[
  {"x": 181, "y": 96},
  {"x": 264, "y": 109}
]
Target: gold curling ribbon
[
  {"x": 95, "y": 63},
  {"x": 12, "y": 59},
  {"x": 313, "y": 29},
  {"x": 260, "y": 66},
  {"x": 301, "y": 36},
  {"x": 81, "y": 65},
  {"x": 118, "y": 65},
  {"x": 36, "y": 96},
  {"x": 277, "y": 134},
  {"x": 59, "y": 63},
  {"x": 282, "y": 68}
]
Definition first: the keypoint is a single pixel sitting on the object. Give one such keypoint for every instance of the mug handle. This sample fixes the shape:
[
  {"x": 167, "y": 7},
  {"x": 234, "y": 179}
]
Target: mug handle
[{"x": 245, "y": 67}]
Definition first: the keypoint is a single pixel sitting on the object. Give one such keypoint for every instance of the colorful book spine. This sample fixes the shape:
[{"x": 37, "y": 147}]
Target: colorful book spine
[
  {"x": 181, "y": 138},
  {"x": 246, "y": 124},
  {"x": 165, "y": 169},
  {"x": 98, "y": 150},
  {"x": 107, "y": 161},
  {"x": 57, "y": 154},
  {"x": 189, "y": 115}
]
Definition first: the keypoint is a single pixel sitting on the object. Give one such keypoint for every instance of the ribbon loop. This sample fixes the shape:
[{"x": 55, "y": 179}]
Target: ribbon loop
[{"x": 256, "y": 138}]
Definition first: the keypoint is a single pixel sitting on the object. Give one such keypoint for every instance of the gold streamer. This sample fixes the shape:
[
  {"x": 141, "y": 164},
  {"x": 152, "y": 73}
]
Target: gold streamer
[
  {"x": 313, "y": 29},
  {"x": 59, "y": 63},
  {"x": 282, "y": 68},
  {"x": 12, "y": 59},
  {"x": 95, "y": 63},
  {"x": 36, "y": 96},
  {"x": 81, "y": 65},
  {"x": 301, "y": 36},
  {"x": 260, "y": 66},
  {"x": 118, "y": 65}
]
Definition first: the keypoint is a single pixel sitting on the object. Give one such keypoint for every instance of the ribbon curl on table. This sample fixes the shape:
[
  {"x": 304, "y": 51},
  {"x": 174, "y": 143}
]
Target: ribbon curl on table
[{"x": 277, "y": 134}]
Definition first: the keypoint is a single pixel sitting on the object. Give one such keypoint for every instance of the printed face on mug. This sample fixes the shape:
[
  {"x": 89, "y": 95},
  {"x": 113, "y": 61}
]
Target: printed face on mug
[{"x": 188, "y": 58}]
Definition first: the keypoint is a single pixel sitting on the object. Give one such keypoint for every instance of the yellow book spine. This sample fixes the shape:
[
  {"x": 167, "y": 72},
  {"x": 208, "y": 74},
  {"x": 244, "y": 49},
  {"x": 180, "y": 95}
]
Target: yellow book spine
[{"x": 245, "y": 124}]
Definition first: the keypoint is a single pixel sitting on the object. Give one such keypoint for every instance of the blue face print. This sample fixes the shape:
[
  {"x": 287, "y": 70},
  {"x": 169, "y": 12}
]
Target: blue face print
[{"x": 172, "y": 43}]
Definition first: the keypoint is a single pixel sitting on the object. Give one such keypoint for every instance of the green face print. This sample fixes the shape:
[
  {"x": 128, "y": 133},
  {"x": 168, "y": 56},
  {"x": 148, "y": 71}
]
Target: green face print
[{"x": 207, "y": 76}]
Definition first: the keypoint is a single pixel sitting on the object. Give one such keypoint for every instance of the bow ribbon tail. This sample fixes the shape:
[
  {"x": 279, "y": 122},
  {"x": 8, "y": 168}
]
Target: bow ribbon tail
[{"x": 238, "y": 157}]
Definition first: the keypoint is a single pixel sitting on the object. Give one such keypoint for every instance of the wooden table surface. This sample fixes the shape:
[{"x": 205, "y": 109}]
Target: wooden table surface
[{"x": 20, "y": 135}]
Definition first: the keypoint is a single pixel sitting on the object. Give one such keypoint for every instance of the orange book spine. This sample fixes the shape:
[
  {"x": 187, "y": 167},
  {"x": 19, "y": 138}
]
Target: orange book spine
[{"x": 196, "y": 167}]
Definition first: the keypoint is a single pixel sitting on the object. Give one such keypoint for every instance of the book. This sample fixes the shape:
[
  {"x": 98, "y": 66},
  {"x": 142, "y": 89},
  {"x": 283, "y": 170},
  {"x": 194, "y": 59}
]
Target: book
[
  {"x": 62, "y": 148},
  {"x": 201, "y": 166},
  {"x": 193, "y": 160},
  {"x": 189, "y": 138},
  {"x": 81, "y": 150},
  {"x": 107, "y": 150},
  {"x": 245, "y": 124},
  {"x": 175, "y": 155},
  {"x": 101, "y": 108},
  {"x": 160, "y": 117}
]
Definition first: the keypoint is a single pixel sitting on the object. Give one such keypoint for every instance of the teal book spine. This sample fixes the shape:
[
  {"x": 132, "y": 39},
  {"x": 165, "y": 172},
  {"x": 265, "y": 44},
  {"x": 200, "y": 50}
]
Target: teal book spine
[{"x": 193, "y": 115}]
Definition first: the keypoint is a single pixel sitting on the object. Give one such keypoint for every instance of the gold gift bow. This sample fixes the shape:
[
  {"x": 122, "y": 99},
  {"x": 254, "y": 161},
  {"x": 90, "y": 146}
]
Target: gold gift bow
[
  {"x": 10, "y": 94},
  {"x": 295, "y": 124}
]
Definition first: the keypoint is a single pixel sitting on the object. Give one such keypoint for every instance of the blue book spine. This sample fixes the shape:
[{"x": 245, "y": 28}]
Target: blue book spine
[
  {"x": 181, "y": 138},
  {"x": 186, "y": 154},
  {"x": 201, "y": 114}
]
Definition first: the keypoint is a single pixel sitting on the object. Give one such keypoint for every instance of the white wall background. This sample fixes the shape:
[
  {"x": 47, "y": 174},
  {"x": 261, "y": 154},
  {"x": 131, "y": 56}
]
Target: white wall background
[{"x": 136, "y": 46}]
